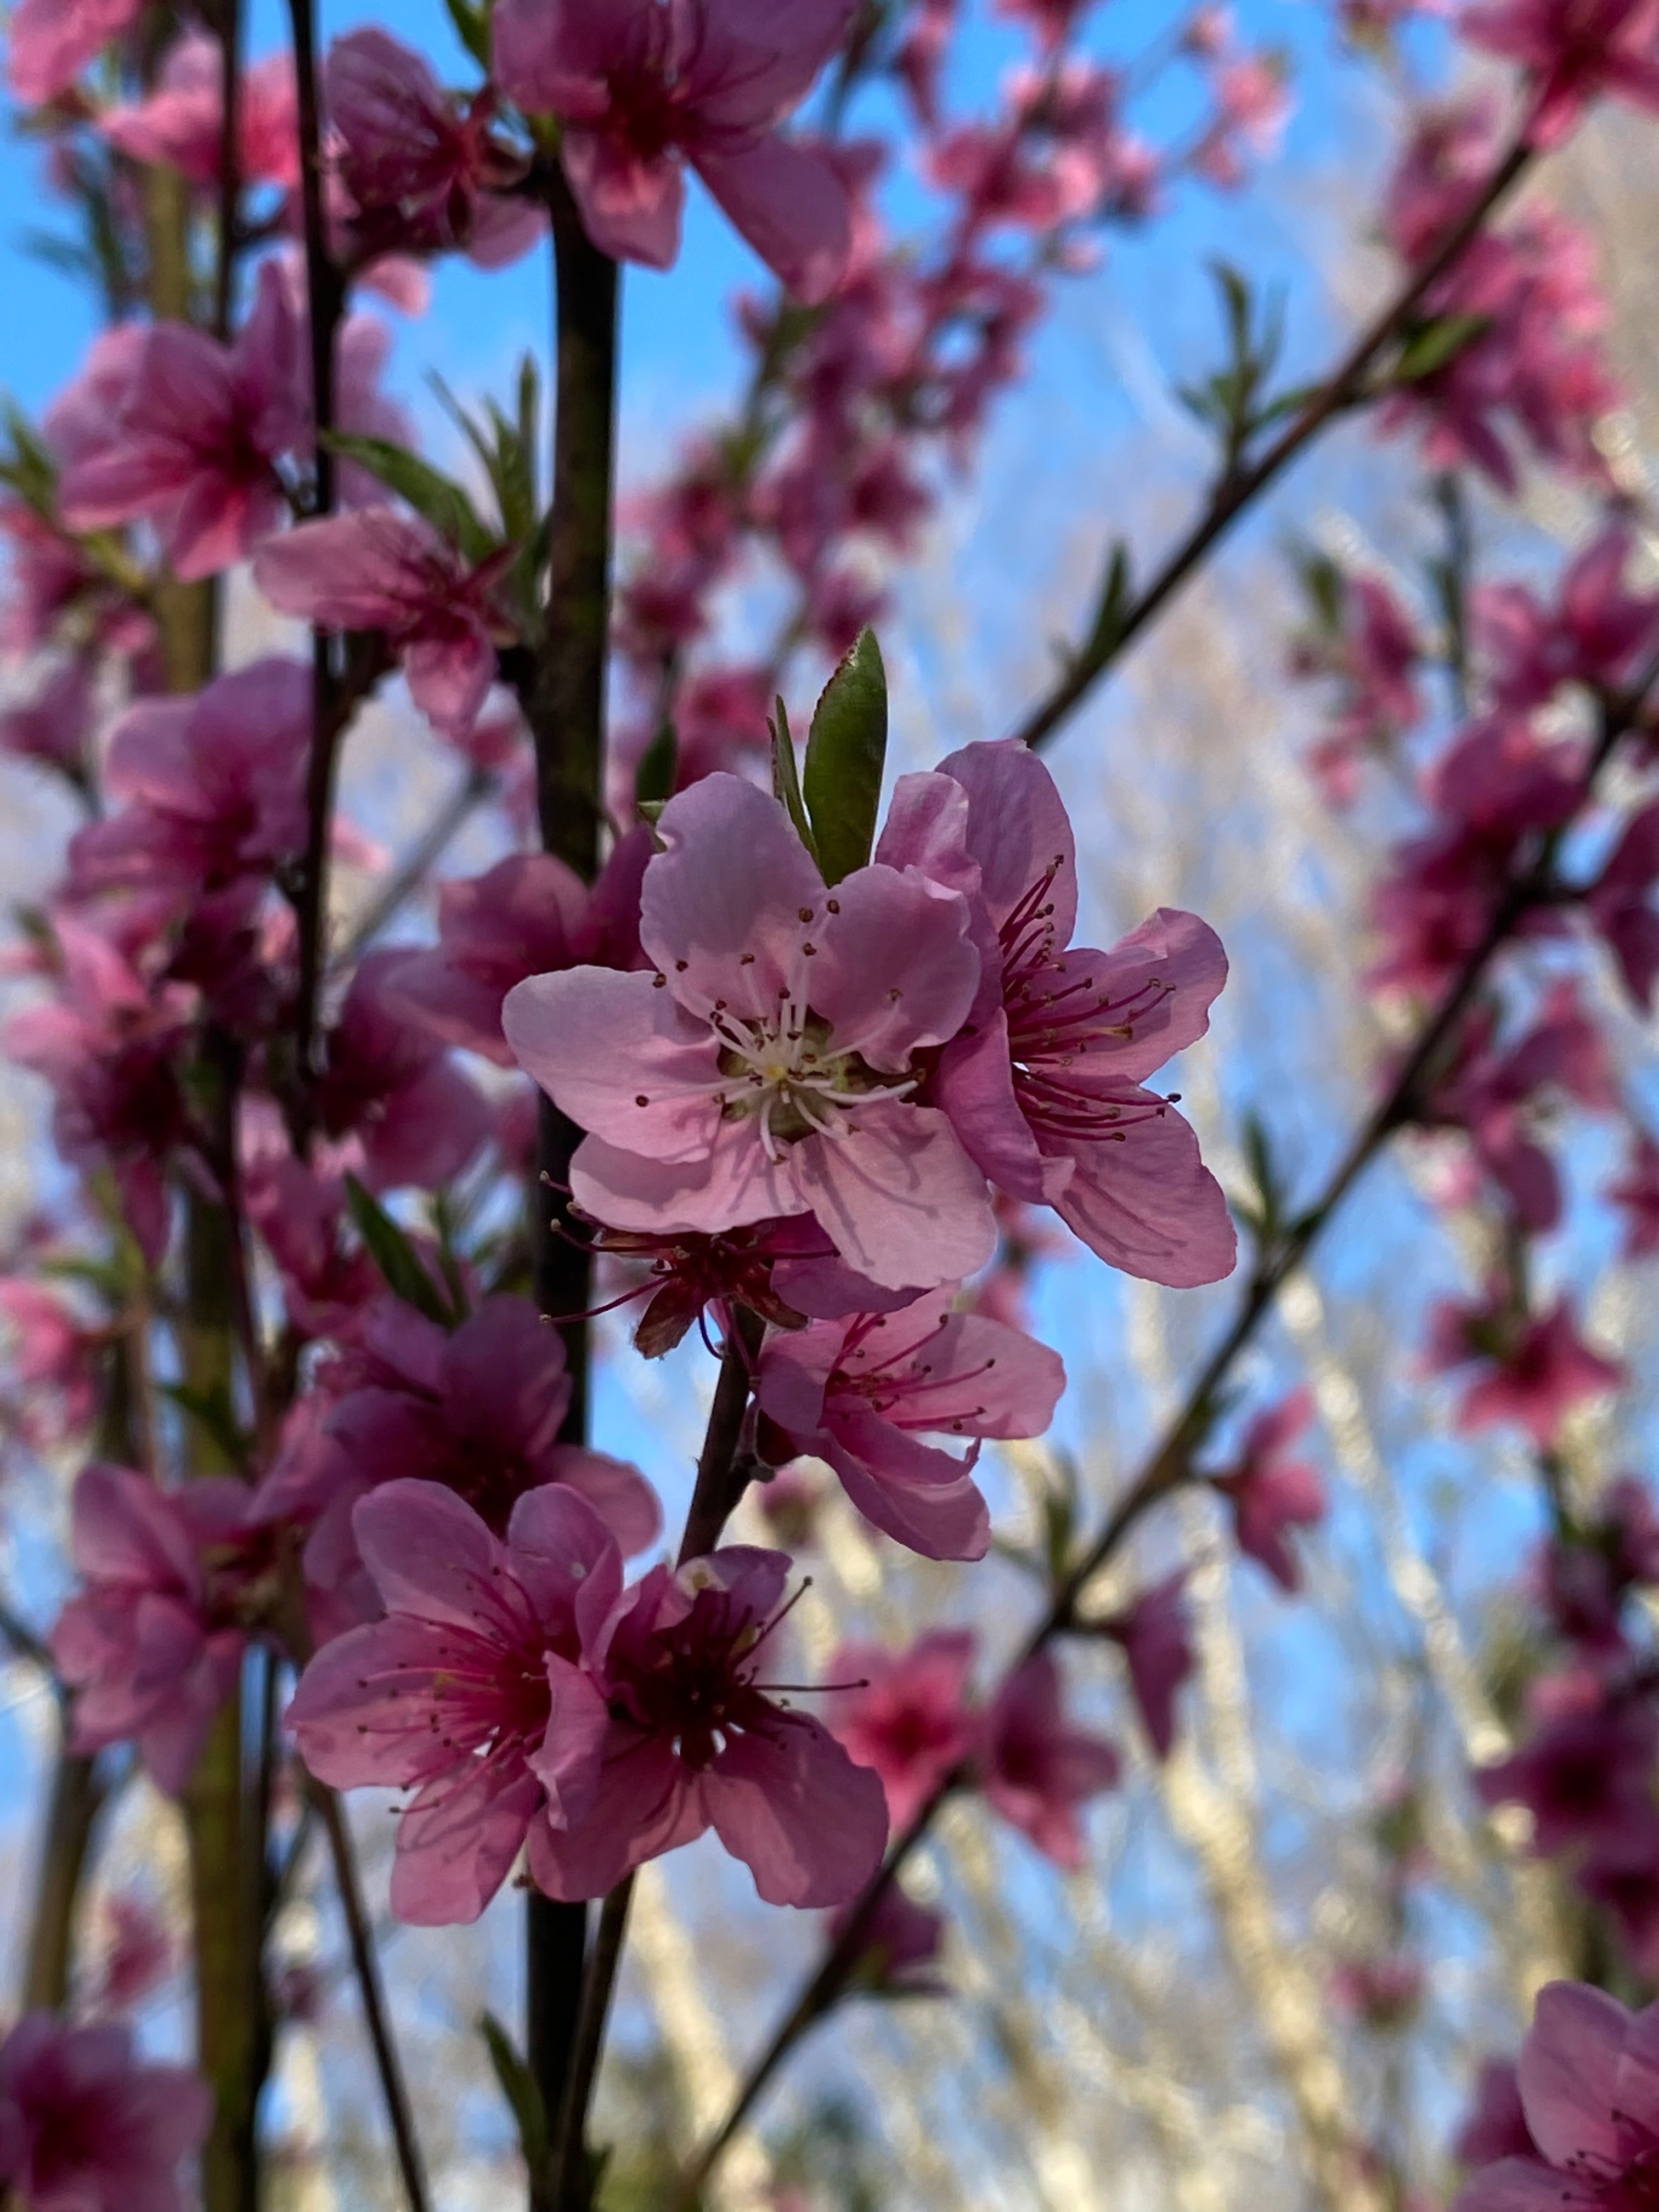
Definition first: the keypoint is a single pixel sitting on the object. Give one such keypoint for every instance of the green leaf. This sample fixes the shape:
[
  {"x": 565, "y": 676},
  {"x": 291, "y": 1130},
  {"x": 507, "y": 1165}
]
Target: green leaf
[
  {"x": 1433, "y": 344},
  {"x": 441, "y": 502},
  {"x": 212, "y": 1408},
  {"x": 654, "y": 779},
  {"x": 846, "y": 753},
  {"x": 393, "y": 1254},
  {"x": 522, "y": 2092},
  {"x": 1113, "y": 605},
  {"x": 786, "y": 784},
  {"x": 471, "y": 21}
]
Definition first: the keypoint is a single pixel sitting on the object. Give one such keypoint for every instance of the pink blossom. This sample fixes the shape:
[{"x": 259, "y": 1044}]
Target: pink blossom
[
  {"x": 1594, "y": 635},
  {"x": 181, "y": 122},
  {"x": 299, "y": 1215},
  {"x": 1384, "y": 1992},
  {"x": 53, "y": 41},
  {"x": 86, "y": 2127},
  {"x": 1573, "y": 51},
  {"x": 528, "y": 915},
  {"x": 698, "y": 1739},
  {"x": 1497, "y": 2125},
  {"x": 1534, "y": 1370},
  {"x": 1044, "y": 1084},
  {"x": 899, "y": 1945},
  {"x": 470, "y": 1692},
  {"x": 49, "y": 577},
  {"x": 1270, "y": 1492},
  {"x": 54, "y": 1357},
  {"x": 416, "y": 167},
  {"x": 153, "y": 1645},
  {"x": 1588, "y": 2077},
  {"x": 391, "y": 1087},
  {"x": 192, "y": 442},
  {"x": 138, "y": 1951},
  {"x": 766, "y": 1069},
  {"x": 642, "y": 88},
  {"x": 55, "y": 726},
  {"x": 1585, "y": 1773},
  {"x": 1375, "y": 660},
  {"x": 477, "y": 1410},
  {"x": 1051, "y": 157},
  {"x": 907, "y": 1715},
  {"x": 1620, "y": 906},
  {"x": 1621, "y": 1876},
  {"x": 210, "y": 788},
  {"x": 1035, "y": 1769},
  {"x": 1252, "y": 109},
  {"x": 1156, "y": 1642},
  {"x": 378, "y": 569},
  {"x": 1636, "y": 1195},
  {"x": 859, "y": 1393}
]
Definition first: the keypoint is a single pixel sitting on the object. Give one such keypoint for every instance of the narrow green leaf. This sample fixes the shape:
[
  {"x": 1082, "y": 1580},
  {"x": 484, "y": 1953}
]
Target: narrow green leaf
[
  {"x": 785, "y": 783},
  {"x": 212, "y": 1410},
  {"x": 846, "y": 753},
  {"x": 524, "y": 2096},
  {"x": 472, "y": 22},
  {"x": 1110, "y": 608},
  {"x": 1433, "y": 345},
  {"x": 654, "y": 779},
  {"x": 441, "y": 502},
  {"x": 393, "y": 1254}
]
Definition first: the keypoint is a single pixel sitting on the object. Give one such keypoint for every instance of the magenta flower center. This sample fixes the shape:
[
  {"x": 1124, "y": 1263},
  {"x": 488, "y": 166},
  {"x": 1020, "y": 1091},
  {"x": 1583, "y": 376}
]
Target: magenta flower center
[{"x": 693, "y": 1682}]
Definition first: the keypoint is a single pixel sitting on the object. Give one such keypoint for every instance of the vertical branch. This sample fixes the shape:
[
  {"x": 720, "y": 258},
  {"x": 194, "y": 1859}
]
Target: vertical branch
[
  {"x": 230, "y": 159},
  {"x": 77, "y": 1797},
  {"x": 564, "y": 702}
]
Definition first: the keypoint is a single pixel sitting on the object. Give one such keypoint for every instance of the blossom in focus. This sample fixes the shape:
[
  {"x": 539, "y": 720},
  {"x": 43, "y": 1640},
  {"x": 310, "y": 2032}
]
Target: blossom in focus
[
  {"x": 86, "y": 2126},
  {"x": 1533, "y": 1370},
  {"x": 152, "y": 1645},
  {"x": 379, "y": 569},
  {"x": 52, "y": 41},
  {"x": 641, "y": 87},
  {"x": 191, "y": 443},
  {"x": 768, "y": 1067},
  {"x": 1044, "y": 1085},
  {"x": 1035, "y": 1769},
  {"x": 860, "y": 1394},
  {"x": 1156, "y": 1638},
  {"x": 1589, "y": 2081},
  {"x": 181, "y": 122},
  {"x": 906, "y": 1714},
  {"x": 469, "y": 1691},
  {"x": 1573, "y": 51},
  {"x": 698, "y": 1738},
  {"x": 1272, "y": 1492}
]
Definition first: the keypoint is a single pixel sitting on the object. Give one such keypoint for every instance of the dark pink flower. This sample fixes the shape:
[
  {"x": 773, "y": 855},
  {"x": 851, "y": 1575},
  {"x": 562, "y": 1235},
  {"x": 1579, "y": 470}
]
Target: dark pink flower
[
  {"x": 181, "y": 122},
  {"x": 1534, "y": 1370},
  {"x": 299, "y": 1215},
  {"x": 1573, "y": 51},
  {"x": 138, "y": 1951},
  {"x": 1585, "y": 1773},
  {"x": 1375, "y": 658},
  {"x": 1384, "y": 1992},
  {"x": 477, "y": 1410},
  {"x": 416, "y": 167},
  {"x": 698, "y": 1738},
  {"x": 53, "y": 1354},
  {"x": 1497, "y": 2125},
  {"x": 470, "y": 1692},
  {"x": 899, "y": 1947},
  {"x": 1594, "y": 635},
  {"x": 1156, "y": 1642},
  {"x": 642, "y": 87},
  {"x": 1271, "y": 1492},
  {"x": 861, "y": 1392},
  {"x": 55, "y": 726},
  {"x": 1636, "y": 1195},
  {"x": 1035, "y": 1769},
  {"x": 210, "y": 788},
  {"x": 53, "y": 41},
  {"x": 1588, "y": 2077},
  {"x": 192, "y": 442},
  {"x": 1621, "y": 905},
  {"x": 153, "y": 1645},
  {"x": 390, "y": 1085},
  {"x": 86, "y": 2127},
  {"x": 909, "y": 1718},
  {"x": 1044, "y": 1083},
  {"x": 766, "y": 1068},
  {"x": 379, "y": 569}
]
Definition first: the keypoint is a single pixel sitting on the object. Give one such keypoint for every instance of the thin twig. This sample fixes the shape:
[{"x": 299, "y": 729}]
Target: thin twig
[
  {"x": 1341, "y": 390},
  {"x": 230, "y": 157},
  {"x": 367, "y": 1966},
  {"x": 570, "y": 2168},
  {"x": 1169, "y": 1465}
]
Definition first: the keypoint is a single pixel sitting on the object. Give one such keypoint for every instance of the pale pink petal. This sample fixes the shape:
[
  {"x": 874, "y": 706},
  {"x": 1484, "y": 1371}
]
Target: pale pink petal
[
  {"x": 895, "y": 967},
  {"x": 734, "y": 1185},
  {"x": 975, "y": 1086},
  {"x": 619, "y": 1054},
  {"x": 1568, "y": 2069},
  {"x": 810, "y": 1825},
  {"x": 348, "y": 1714},
  {"x": 1018, "y": 830},
  {"x": 623, "y": 1500},
  {"x": 457, "y": 1842},
  {"x": 1147, "y": 1204},
  {"x": 923, "y": 1498},
  {"x": 897, "y": 1194},
  {"x": 631, "y": 206},
  {"x": 791, "y": 203},
  {"x": 567, "y": 1761},
  {"x": 647, "y": 1803},
  {"x": 428, "y": 1551}
]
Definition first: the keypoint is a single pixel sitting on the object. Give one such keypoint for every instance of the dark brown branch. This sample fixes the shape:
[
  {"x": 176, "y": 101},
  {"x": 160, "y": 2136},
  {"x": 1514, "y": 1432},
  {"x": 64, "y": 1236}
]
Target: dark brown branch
[
  {"x": 1345, "y": 386},
  {"x": 1169, "y": 1464},
  {"x": 230, "y": 162}
]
